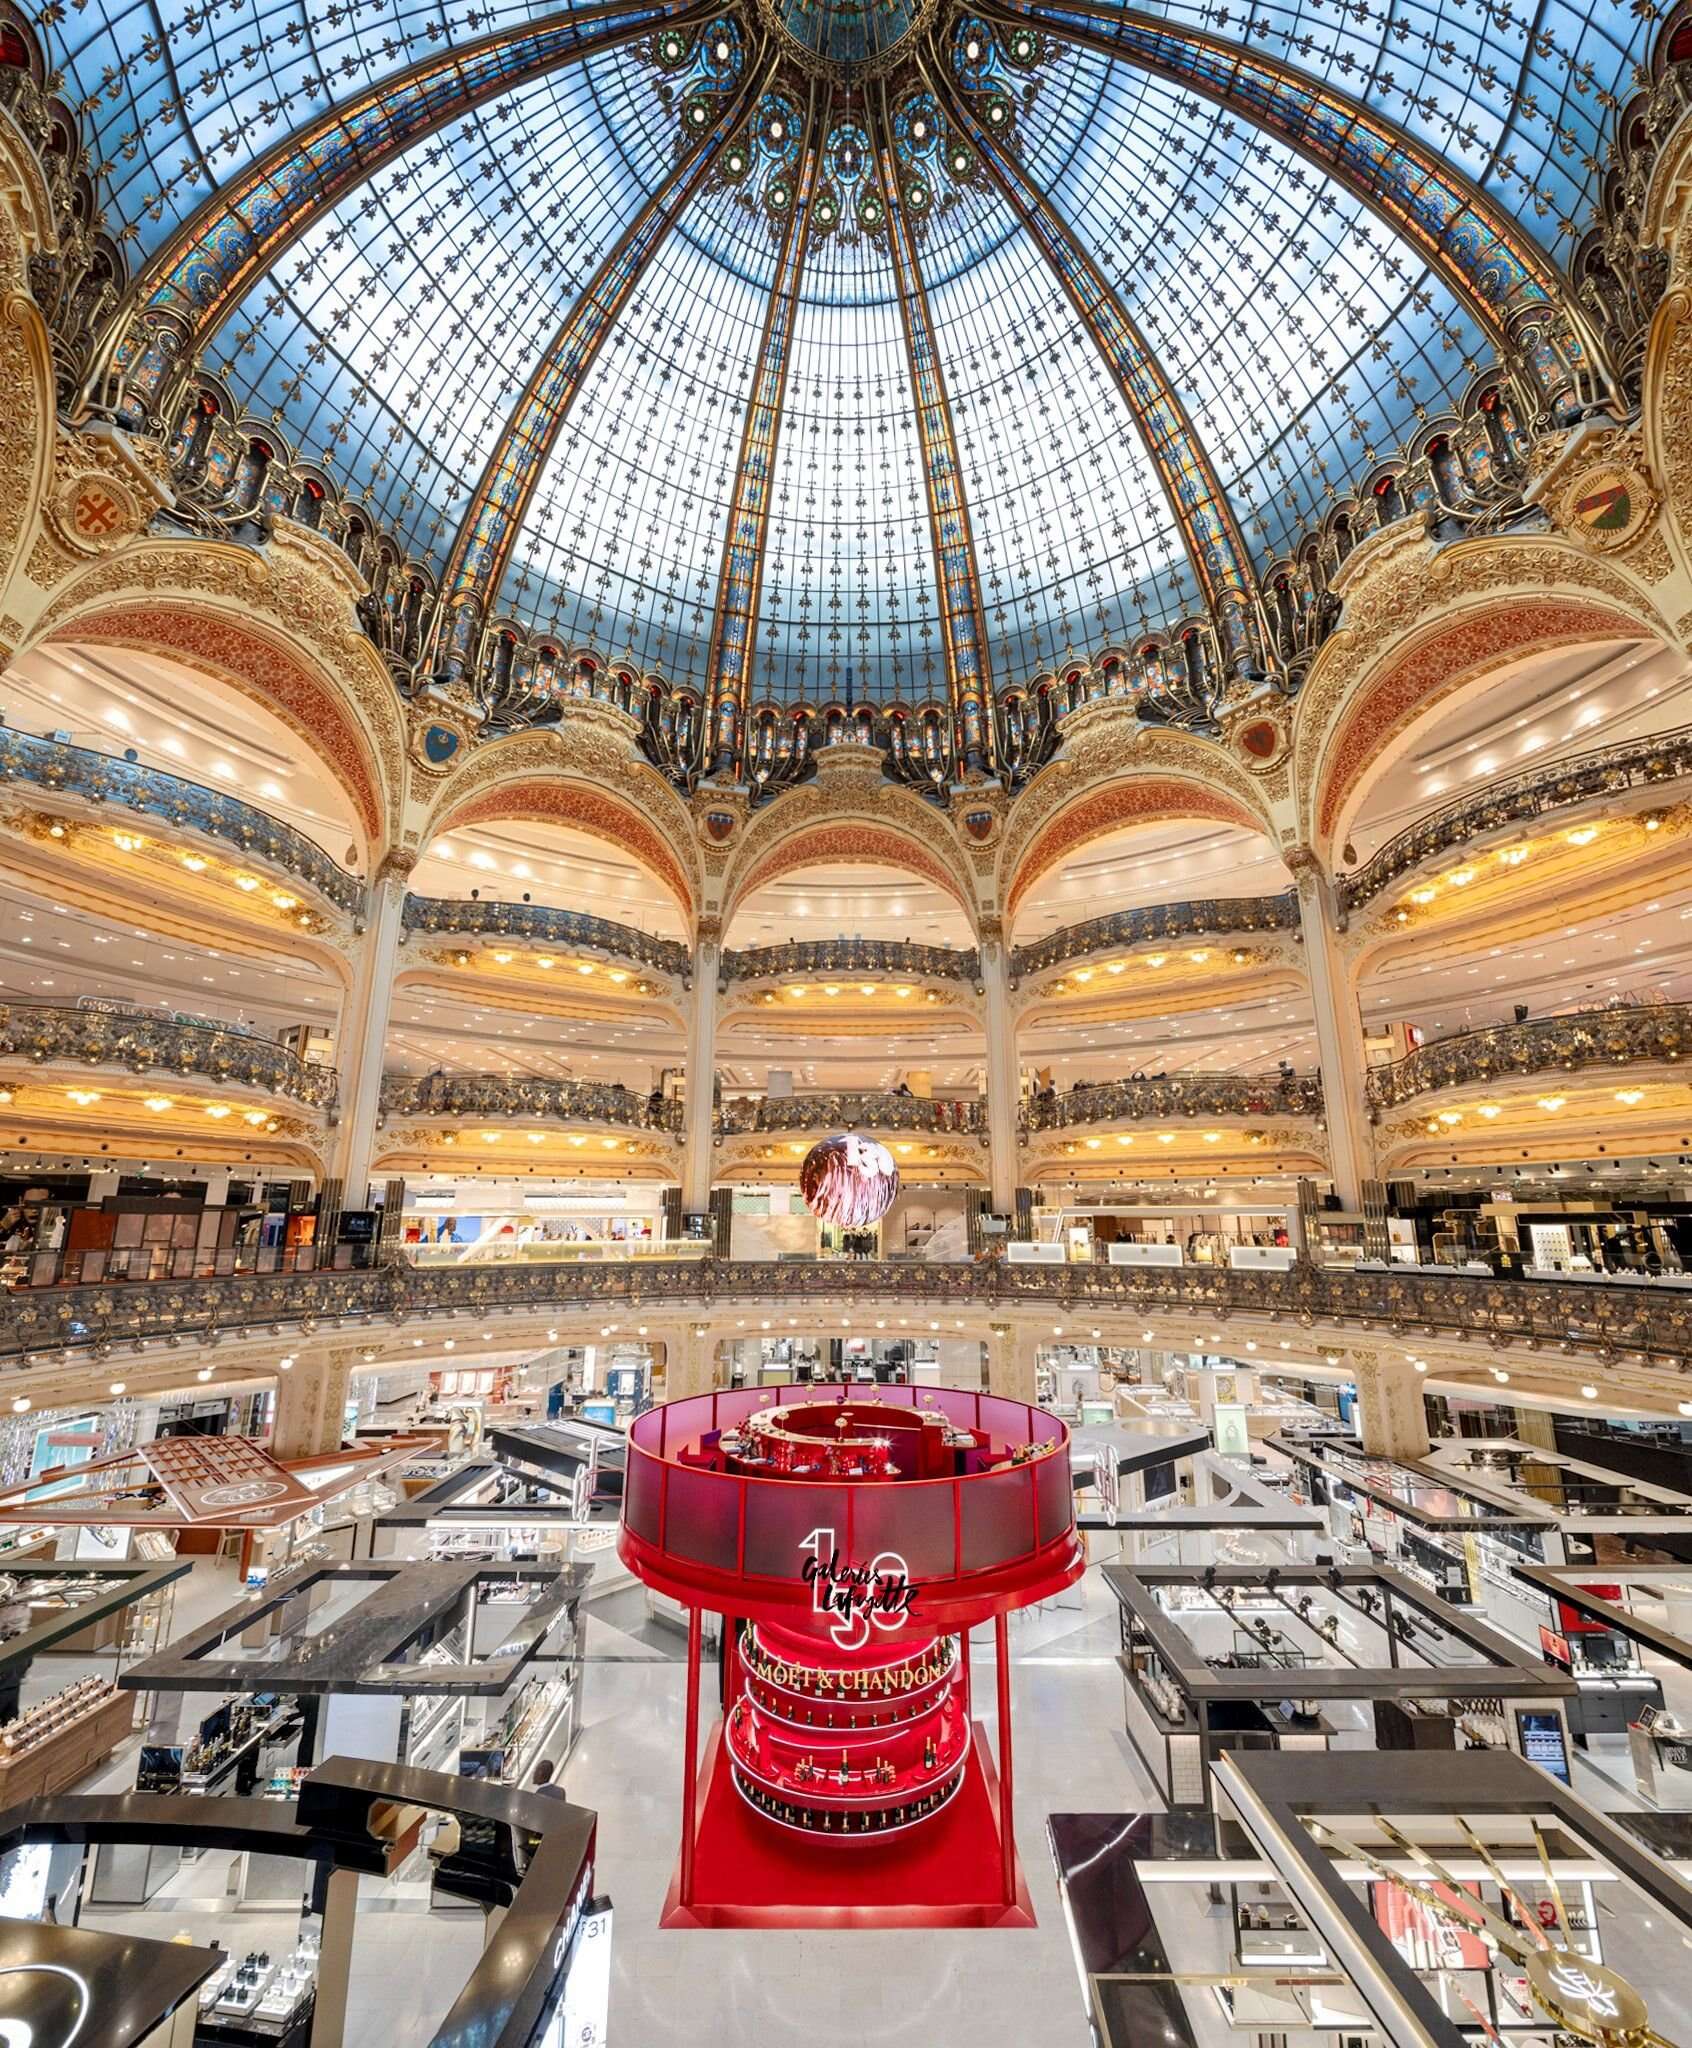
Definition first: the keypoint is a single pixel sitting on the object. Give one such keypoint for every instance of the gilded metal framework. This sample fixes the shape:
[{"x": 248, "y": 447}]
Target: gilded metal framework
[
  {"x": 197, "y": 277},
  {"x": 1494, "y": 269},
  {"x": 494, "y": 518},
  {"x": 1221, "y": 560},
  {"x": 963, "y": 625},
  {"x": 728, "y": 673}
]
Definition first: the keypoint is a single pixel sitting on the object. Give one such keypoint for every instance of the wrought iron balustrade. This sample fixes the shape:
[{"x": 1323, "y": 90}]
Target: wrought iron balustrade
[
  {"x": 1633, "y": 764},
  {"x": 1175, "y": 1096},
  {"x": 504, "y": 1096},
  {"x": 850, "y": 1111},
  {"x": 1599, "y": 1319},
  {"x": 1207, "y": 917},
  {"x": 800, "y": 957},
  {"x": 541, "y": 925},
  {"x": 1648, "y": 1032},
  {"x": 48, "y": 1035},
  {"x": 67, "y": 770}
]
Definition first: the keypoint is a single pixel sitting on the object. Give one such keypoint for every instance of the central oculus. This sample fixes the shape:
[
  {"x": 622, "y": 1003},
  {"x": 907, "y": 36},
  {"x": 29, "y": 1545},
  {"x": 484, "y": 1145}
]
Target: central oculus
[{"x": 848, "y": 38}]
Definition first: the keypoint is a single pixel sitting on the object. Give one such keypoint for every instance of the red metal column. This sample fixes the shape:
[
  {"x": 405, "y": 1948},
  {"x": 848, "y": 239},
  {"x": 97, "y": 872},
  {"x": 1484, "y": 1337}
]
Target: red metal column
[
  {"x": 1007, "y": 1829},
  {"x": 690, "y": 1757}
]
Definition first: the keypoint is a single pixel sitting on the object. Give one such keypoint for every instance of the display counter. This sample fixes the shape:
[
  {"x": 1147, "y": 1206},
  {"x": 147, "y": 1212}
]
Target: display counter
[
  {"x": 1127, "y": 1251},
  {"x": 1660, "y": 1749},
  {"x": 1216, "y": 1659},
  {"x": 60, "y": 1740}
]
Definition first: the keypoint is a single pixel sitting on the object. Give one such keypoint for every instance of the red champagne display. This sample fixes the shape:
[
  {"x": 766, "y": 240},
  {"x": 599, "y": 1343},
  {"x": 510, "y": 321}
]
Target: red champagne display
[{"x": 851, "y": 1539}]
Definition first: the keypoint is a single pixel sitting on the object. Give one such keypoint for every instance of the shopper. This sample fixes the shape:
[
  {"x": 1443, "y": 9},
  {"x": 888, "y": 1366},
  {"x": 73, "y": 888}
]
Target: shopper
[{"x": 542, "y": 1781}]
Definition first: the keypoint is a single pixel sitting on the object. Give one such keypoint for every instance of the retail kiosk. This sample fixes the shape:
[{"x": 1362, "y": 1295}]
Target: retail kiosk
[
  {"x": 1303, "y": 1657},
  {"x": 1603, "y": 1624},
  {"x": 457, "y": 1665}
]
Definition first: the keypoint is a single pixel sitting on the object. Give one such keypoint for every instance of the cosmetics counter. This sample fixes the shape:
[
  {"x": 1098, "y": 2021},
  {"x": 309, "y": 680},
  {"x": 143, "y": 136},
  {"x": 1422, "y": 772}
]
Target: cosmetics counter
[
  {"x": 1465, "y": 1897},
  {"x": 467, "y": 1667},
  {"x": 540, "y": 1979},
  {"x": 1305, "y": 1658},
  {"x": 1348, "y": 1899}
]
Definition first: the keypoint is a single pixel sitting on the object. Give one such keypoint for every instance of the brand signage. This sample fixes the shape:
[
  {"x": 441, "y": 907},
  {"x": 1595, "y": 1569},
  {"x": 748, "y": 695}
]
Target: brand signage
[{"x": 857, "y": 1598}]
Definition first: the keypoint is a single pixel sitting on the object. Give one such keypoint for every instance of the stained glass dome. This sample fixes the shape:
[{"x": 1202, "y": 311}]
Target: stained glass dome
[{"x": 848, "y": 348}]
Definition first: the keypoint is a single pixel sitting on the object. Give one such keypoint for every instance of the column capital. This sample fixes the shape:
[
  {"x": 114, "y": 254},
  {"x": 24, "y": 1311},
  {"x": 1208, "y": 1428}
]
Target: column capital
[{"x": 396, "y": 865}]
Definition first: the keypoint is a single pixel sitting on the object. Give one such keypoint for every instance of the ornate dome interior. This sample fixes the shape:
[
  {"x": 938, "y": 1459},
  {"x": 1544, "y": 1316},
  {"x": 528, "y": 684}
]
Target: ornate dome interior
[{"x": 540, "y": 292}]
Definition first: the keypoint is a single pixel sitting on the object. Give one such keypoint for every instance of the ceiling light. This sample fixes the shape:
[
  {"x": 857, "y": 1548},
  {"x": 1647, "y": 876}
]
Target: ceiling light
[
  {"x": 159, "y": 1103},
  {"x": 1552, "y": 1103},
  {"x": 84, "y": 1098},
  {"x": 217, "y": 1109},
  {"x": 247, "y": 882}
]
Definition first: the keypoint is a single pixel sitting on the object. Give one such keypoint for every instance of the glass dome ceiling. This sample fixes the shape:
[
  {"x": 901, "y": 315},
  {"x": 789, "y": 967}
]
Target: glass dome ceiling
[{"x": 389, "y": 329}]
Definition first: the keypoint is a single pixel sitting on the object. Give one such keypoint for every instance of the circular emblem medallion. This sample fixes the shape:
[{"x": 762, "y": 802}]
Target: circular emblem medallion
[{"x": 1608, "y": 506}]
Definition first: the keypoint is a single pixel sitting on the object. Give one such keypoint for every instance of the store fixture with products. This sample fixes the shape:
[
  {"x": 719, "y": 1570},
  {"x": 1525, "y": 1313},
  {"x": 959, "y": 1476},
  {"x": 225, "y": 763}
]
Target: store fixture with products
[{"x": 1307, "y": 1657}]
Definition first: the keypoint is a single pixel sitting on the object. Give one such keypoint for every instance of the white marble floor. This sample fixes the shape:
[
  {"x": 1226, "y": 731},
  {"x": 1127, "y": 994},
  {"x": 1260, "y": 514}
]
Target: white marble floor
[{"x": 942, "y": 1990}]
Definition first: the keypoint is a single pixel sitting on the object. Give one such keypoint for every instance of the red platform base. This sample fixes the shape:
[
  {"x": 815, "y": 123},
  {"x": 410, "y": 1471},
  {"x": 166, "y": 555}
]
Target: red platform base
[{"x": 945, "y": 1872}]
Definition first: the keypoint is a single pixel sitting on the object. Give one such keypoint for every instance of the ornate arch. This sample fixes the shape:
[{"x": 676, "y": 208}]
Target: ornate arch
[
  {"x": 27, "y": 404},
  {"x": 561, "y": 800},
  {"x": 278, "y": 627},
  {"x": 1420, "y": 624},
  {"x": 830, "y": 820},
  {"x": 585, "y": 772},
  {"x": 1130, "y": 800}
]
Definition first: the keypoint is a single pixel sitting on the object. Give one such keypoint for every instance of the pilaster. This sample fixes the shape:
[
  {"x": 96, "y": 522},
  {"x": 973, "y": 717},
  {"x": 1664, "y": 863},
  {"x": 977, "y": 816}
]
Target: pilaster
[
  {"x": 1002, "y": 1080},
  {"x": 1012, "y": 1357},
  {"x": 362, "y": 1039},
  {"x": 1339, "y": 1031},
  {"x": 1392, "y": 1418},
  {"x": 699, "y": 1105},
  {"x": 311, "y": 1404},
  {"x": 690, "y": 1365}
]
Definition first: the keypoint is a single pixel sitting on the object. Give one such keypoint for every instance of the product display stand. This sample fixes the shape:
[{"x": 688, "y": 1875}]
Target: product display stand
[{"x": 850, "y": 1541}]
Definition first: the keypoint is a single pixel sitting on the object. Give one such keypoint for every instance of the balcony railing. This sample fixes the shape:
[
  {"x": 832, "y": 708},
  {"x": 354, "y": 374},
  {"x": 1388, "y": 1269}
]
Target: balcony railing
[
  {"x": 1600, "y": 1319},
  {"x": 1179, "y": 1095},
  {"x": 1208, "y": 917},
  {"x": 102, "y": 1038},
  {"x": 100, "y": 778},
  {"x": 501, "y": 1096},
  {"x": 540, "y": 925},
  {"x": 851, "y": 956},
  {"x": 1634, "y": 764},
  {"x": 1652, "y": 1032},
  {"x": 854, "y": 1111}
]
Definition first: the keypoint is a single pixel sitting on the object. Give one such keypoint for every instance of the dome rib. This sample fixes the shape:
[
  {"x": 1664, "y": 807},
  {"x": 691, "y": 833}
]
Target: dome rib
[
  {"x": 197, "y": 277},
  {"x": 482, "y": 548},
  {"x": 1494, "y": 268},
  {"x": 1215, "y": 545},
  {"x": 728, "y": 670},
  {"x": 963, "y": 624}
]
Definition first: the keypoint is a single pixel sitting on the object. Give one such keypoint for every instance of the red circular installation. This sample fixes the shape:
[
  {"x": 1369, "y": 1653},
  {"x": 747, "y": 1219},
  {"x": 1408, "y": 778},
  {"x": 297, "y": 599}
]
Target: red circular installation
[{"x": 849, "y": 1537}]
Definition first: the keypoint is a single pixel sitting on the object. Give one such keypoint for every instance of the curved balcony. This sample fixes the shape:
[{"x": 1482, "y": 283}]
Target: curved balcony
[
  {"x": 896, "y": 957},
  {"x": 543, "y": 926},
  {"x": 1207, "y": 917},
  {"x": 858, "y": 1110},
  {"x": 209, "y": 1052},
  {"x": 1561, "y": 1316},
  {"x": 1180, "y": 1095},
  {"x": 1635, "y": 764},
  {"x": 101, "y": 779},
  {"x": 499, "y": 1095},
  {"x": 1657, "y": 1033}
]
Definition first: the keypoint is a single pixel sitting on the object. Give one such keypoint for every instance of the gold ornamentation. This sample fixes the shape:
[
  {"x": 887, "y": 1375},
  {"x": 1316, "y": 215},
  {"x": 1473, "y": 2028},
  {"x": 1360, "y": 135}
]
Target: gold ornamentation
[{"x": 1608, "y": 505}]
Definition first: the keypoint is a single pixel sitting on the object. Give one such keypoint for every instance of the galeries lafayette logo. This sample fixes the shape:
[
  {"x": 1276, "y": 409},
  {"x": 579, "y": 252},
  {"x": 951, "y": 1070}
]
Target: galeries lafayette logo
[
  {"x": 243, "y": 1493},
  {"x": 858, "y": 1597}
]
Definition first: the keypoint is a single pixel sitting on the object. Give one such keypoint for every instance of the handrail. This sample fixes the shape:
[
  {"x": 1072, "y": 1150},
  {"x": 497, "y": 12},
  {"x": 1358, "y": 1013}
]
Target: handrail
[
  {"x": 1601, "y": 1318},
  {"x": 864, "y": 1110},
  {"x": 1204, "y": 917},
  {"x": 101, "y": 778},
  {"x": 500, "y": 1095},
  {"x": 1177, "y": 1095},
  {"x": 850, "y": 956},
  {"x": 1580, "y": 1038},
  {"x": 1627, "y": 765},
  {"x": 44, "y": 1032},
  {"x": 545, "y": 926}
]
